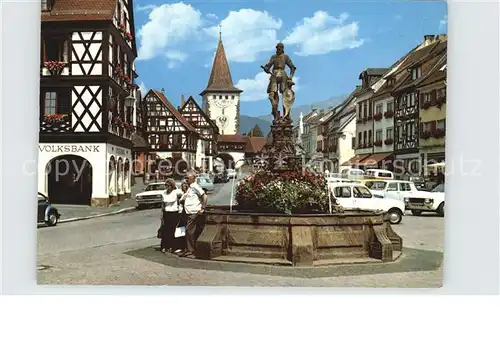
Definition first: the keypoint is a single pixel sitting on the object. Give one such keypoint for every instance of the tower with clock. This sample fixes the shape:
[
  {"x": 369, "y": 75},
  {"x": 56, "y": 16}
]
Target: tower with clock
[{"x": 221, "y": 99}]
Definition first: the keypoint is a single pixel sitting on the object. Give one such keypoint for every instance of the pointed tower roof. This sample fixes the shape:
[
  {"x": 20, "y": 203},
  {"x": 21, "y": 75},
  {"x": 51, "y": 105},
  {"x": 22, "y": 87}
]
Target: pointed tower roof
[{"x": 220, "y": 77}]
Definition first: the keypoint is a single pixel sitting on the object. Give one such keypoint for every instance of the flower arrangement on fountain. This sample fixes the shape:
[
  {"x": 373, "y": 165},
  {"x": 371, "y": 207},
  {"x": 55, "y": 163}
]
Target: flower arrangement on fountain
[
  {"x": 56, "y": 118},
  {"x": 55, "y": 67},
  {"x": 289, "y": 193}
]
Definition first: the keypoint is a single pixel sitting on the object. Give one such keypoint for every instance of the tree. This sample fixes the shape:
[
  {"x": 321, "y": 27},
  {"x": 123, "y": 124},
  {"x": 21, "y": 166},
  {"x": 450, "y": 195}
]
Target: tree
[{"x": 256, "y": 131}]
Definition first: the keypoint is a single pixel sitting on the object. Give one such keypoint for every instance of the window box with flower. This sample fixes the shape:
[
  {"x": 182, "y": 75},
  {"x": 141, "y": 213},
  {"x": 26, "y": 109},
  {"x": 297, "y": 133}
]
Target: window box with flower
[
  {"x": 388, "y": 141},
  {"x": 377, "y": 116},
  {"x": 439, "y": 133},
  {"x": 55, "y": 67},
  {"x": 378, "y": 143},
  {"x": 425, "y": 135},
  {"x": 125, "y": 34},
  {"x": 55, "y": 119},
  {"x": 389, "y": 114},
  {"x": 440, "y": 101}
]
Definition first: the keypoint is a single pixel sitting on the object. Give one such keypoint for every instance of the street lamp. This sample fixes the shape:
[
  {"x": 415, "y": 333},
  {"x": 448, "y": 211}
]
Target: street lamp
[{"x": 130, "y": 101}]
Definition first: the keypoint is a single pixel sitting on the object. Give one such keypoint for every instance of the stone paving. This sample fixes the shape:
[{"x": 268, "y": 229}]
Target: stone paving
[{"x": 121, "y": 250}]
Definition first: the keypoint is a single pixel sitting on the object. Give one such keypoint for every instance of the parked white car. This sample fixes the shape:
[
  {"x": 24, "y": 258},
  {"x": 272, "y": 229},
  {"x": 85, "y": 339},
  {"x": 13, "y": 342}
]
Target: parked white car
[
  {"x": 352, "y": 173},
  {"x": 393, "y": 189},
  {"x": 151, "y": 196},
  {"x": 378, "y": 173},
  {"x": 427, "y": 201},
  {"x": 354, "y": 196}
]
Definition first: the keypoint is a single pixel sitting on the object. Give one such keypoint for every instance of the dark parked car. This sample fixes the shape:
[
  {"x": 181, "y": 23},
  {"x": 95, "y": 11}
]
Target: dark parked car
[
  {"x": 47, "y": 213},
  {"x": 221, "y": 177}
]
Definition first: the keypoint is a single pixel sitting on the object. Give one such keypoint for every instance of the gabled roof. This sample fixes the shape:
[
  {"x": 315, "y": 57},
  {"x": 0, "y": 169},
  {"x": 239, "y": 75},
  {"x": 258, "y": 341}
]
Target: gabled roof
[
  {"x": 426, "y": 57},
  {"x": 173, "y": 110},
  {"x": 220, "y": 77},
  {"x": 211, "y": 122},
  {"x": 255, "y": 144},
  {"x": 87, "y": 10},
  {"x": 436, "y": 74},
  {"x": 231, "y": 138},
  {"x": 374, "y": 72},
  {"x": 80, "y": 10}
]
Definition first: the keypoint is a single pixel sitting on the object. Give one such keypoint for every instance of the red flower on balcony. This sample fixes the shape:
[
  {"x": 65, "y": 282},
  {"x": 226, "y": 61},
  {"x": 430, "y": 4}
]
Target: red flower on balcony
[
  {"x": 57, "y": 118},
  {"x": 55, "y": 67},
  {"x": 426, "y": 105},
  {"x": 388, "y": 114},
  {"x": 378, "y": 143},
  {"x": 425, "y": 135},
  {"x": 388, "y": 141},
  {"x": 439, "y": 133},
  {"x": 440, "y": 101},
  {"x": 377, "y": 116}
]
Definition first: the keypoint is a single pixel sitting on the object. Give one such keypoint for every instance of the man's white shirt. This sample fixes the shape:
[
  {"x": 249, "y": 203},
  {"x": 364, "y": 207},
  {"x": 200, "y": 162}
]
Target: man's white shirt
[{"x": 192, "y": 203}]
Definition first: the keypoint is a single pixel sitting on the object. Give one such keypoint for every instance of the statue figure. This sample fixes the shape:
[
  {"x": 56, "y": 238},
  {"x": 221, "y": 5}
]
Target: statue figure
[{"x": 280, "y": 82}]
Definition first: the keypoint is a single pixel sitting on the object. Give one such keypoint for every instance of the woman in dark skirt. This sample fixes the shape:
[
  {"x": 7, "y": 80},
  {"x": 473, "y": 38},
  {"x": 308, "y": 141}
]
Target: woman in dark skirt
[{"x": 170, "y": 217}]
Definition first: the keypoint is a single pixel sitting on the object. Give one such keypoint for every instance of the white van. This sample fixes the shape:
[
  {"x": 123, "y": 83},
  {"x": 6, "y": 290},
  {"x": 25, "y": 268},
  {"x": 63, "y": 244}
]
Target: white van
[
  {"x": 378, "y": 174},
  {"x": 352, "y": 174}
]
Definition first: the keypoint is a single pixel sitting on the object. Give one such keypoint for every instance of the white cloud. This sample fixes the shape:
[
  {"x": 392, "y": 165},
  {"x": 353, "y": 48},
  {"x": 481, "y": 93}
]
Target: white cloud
[
  {"x": 443, "y": 22},
  {"x": 145, "y": 8},
  {"x": 175, "y": 57},
  {"x": 323, "y": 33},
  {"x": 212, "y": 16},
  {"x": 246, "y": 33},
  {"x": 167, "y": 27},
  {"x": 254, "y": 89}
]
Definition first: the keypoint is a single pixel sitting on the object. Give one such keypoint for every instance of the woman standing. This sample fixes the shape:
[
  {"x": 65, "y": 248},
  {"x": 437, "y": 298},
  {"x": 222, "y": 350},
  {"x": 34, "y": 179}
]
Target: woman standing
[
  {"x": 170, "y": 216},
  {"x": 181, "y": 241}
]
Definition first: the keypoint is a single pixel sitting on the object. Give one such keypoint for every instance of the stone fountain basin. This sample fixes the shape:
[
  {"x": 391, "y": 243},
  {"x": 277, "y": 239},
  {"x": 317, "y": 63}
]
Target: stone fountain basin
[{"x": 297, "y": 240}]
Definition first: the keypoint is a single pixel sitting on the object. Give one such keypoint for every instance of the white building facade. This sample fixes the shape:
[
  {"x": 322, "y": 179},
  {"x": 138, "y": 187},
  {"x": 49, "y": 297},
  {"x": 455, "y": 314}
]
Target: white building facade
[{"x": 86, "y": 103}]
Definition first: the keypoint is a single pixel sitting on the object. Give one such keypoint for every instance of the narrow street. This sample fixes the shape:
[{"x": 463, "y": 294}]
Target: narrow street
[{"x": 120, "y": 250}]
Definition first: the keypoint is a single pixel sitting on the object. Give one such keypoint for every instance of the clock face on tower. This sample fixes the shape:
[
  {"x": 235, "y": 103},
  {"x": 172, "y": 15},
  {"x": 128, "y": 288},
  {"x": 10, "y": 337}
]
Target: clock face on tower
[{"x": 223, "y": 103}]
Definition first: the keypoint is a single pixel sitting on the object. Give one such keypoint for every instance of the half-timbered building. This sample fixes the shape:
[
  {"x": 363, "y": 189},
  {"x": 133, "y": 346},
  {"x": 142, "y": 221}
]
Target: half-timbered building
[
  {"x": 171, "y": 138},
  {"x": 86, "y": 100},
  {"x": 407, "y": 102},
  {"x": 206, "y": 147}
]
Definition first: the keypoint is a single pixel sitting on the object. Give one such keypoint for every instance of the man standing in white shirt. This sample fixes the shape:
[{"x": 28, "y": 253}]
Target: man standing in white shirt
[{"x": 194, "y": 206}]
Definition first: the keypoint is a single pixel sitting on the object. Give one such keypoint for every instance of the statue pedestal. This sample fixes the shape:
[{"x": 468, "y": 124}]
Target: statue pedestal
[{"x": 280, "y": 150}]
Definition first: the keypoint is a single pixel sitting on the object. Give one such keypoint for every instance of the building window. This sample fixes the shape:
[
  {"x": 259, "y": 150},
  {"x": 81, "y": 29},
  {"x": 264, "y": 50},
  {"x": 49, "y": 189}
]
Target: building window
[
  {"x": 441, "y": 92},
  {"x": 220, "y": 97},
  {"x": 440, "y": 124},
  {"x": 378, "y": 109},
  {"x": 232, "y": 97},
  {"x": 427, "y": 97},
  {"x": 389, "y": 133},
  {"x": 214, "y": 97},
  {"x": 56, "y": 102},
  {"x": 353, "y": 143},
  {"x": 360, "y": 140},
  {"x": 55, "y": 49},
  {"x": 378, "y": 135},
  {"x": 364, "y": 137},
  {"x": 227, "y": 97},
  {"x": 416, "y": 73},
  {"x": 365, "y": 109},
  {"x": 390, "y": 106},
  {"x": 369, "y": 137},
  {"x": 125, "y": 21}
]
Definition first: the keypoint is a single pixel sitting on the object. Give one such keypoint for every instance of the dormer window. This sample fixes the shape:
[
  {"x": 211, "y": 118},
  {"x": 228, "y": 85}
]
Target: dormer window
[
  {"x": 416, "y": 73},
  {"x": 46, "y": 5},
  {"x": 390, "y": 82}
]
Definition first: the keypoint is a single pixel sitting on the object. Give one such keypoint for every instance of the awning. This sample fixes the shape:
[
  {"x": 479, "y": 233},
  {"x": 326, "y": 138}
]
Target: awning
[
  {"x": 355, "y": 160},
  {"x": 374, "y": 159}
]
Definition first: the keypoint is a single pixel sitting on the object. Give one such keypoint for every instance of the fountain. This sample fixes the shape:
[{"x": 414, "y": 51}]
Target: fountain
[{"x": 284, "y": 214}]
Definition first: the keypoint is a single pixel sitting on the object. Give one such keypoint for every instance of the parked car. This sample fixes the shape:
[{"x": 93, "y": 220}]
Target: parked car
[
  {"x": 427, "y": 201},
  {"x": 357, "y": 196},
  {"x": 352, "y": 173},
  {"x": 392, "y": 189},
  {"x": 418, "y": 181},
  {"x": 151, "y": 196},
  {"x": 378, "y": 174},
  {"x": 206, "y": 183},
  {"x": 47, "y": 213},
  {"x": 231, "y": 173},
  {"x": 221, "y": 177}
]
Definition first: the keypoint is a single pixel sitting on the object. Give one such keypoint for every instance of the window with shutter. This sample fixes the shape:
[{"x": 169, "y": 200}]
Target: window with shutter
[
  {"x": 433, "y": 95},
  {"x": 370, "y": 108},
  {"x": 369, "y": 137},
  {"x": 433, "y": 126}
]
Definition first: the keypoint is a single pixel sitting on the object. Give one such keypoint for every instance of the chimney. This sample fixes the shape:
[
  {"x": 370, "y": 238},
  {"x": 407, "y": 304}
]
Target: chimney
[
  {"x": 442, "y": 37},
  {"x": 429, "y": 39},
  {"x": 163, "y": 91},
  {"x": 182, "y": 100}
]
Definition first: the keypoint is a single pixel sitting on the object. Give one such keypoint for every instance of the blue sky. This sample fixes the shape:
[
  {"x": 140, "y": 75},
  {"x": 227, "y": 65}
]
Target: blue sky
[{"x": 330, "y": 42}]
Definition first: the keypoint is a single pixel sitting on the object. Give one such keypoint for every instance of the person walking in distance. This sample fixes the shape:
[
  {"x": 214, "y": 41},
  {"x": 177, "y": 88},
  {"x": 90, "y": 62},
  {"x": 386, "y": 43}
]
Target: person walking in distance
[
  {"x": 194, "y": 206},
  {"x": 170, "y": 216}
]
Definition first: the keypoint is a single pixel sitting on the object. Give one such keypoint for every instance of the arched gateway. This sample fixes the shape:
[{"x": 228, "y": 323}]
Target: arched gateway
[{"x": 69, "y": 180}]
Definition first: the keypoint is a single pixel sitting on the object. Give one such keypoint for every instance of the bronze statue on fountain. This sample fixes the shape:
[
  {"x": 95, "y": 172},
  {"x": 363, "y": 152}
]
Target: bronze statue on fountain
[{"x": 280, "y": 149}]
